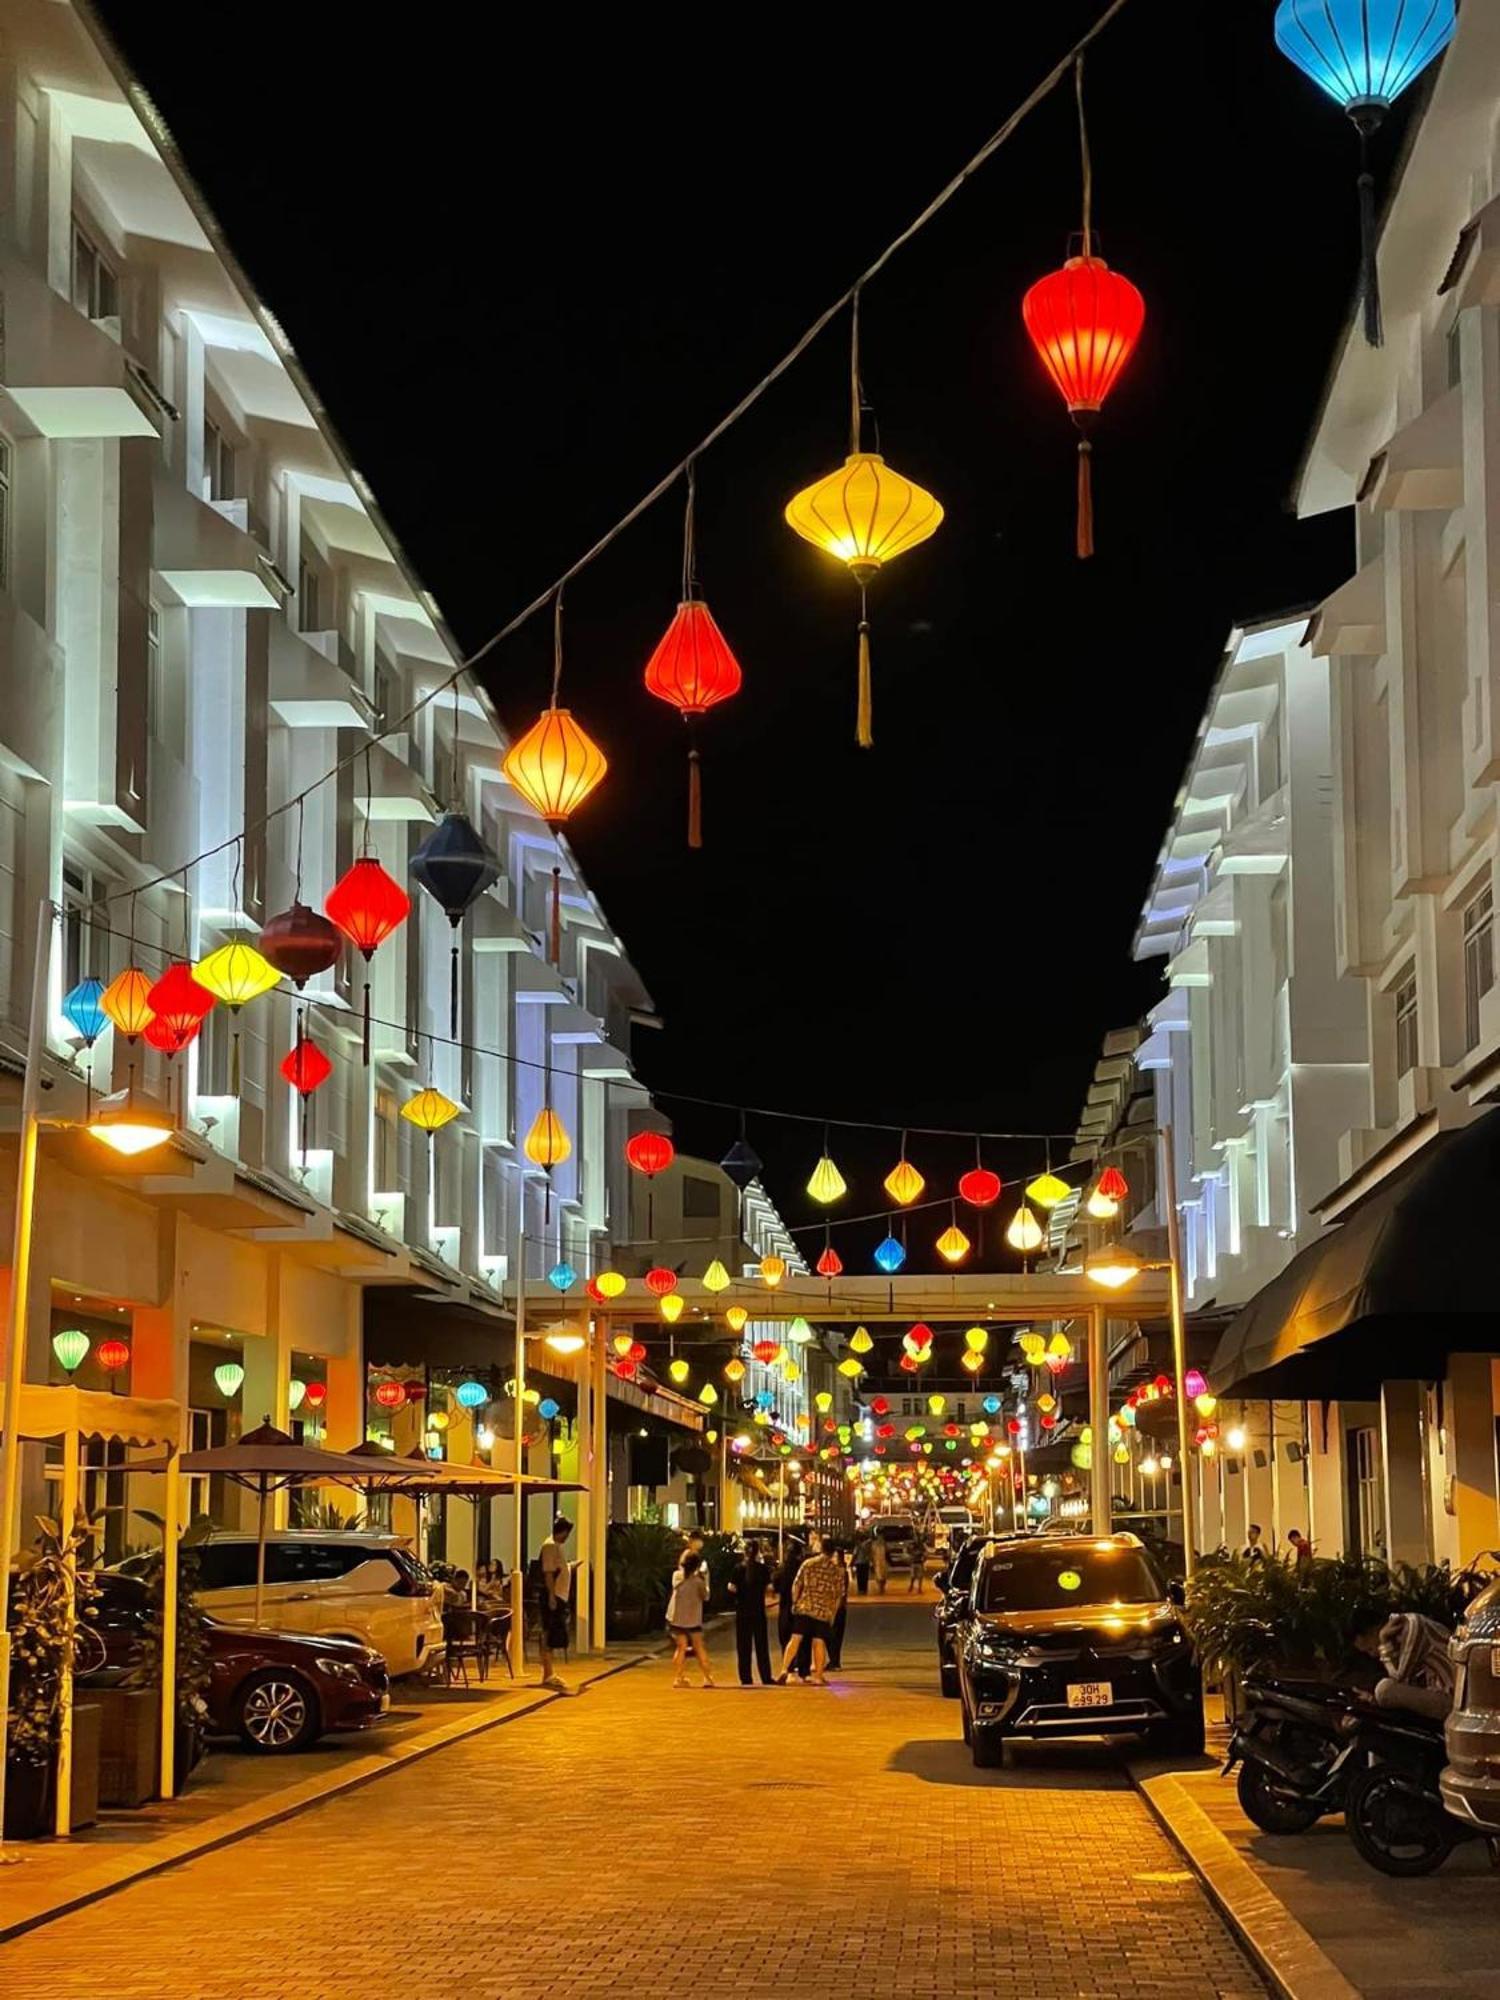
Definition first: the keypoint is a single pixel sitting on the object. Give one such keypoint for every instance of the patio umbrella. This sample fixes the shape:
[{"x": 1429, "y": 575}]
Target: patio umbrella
[
  {"x": 265, "y": 1461},
  {"x": 416, "y": 1476}
]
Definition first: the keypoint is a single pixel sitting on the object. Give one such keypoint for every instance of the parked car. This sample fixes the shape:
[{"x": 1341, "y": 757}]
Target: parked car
[
  {"x": 366, "y": 1587},
  {"x": 1471, "y": 1779},
  {"x": 1075, "y": 1636},
  {"x": 276, "y": 1691},
  {"x": 952, "y": 1526},
  {"x": 952, "y": 1608},
  {"x": 903, "y": 1544}
]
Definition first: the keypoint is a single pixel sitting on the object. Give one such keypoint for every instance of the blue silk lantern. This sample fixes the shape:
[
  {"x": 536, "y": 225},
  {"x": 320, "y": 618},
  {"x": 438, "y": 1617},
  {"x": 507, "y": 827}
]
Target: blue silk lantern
[
  {"x": 890, "y": 1255},
  {"x": 83, "y": 1011},
  {"x": 455, "y": 868},
  {"x": 469, "y": 1395},
  {"x": 562, "y": 1277},
  {"x": 1364, "y": 53},
  {"x": 547, "y": 1409},
  {"x": 992, "y": 1406}
]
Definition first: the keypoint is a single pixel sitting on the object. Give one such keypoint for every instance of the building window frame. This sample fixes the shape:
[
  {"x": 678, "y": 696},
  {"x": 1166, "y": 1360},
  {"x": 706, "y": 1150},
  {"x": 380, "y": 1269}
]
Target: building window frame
[
  {"x": 1404, "y": 999},
  {"x": 95, "y": 282},
  {"x": 7, "y": 511},
  {"x": 1479, "y": 959}
]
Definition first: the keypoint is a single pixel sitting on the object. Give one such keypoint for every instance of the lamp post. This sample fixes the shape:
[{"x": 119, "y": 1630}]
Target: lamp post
[{"x": 17, "y": 1317}]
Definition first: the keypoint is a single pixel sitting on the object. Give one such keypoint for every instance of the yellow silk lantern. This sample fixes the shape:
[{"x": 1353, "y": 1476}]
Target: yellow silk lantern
[
  {"x": 671, "y": 1308},
  {"x": 827, "y": 1183},
  {"x": 790, "y": 1372},
  {"x": 953, "y": 1245},
  {"x": 716, "y": 1278},
  {"x": 735, "y": 1319},
  {"x": 622, "y": 1343},
  {"x": 555, "y": 765},
  {"x": 903, "y": 1183},
  {"x": 1025, "y": 1232},
  {"x": 235, "y": 973},
  {"x": 850, "y": 1367},
  {"x": 773, "y": 1270},
  {"x": 972, "y": 1360},
  {"x": 937, "y": 1404},
  {"x": 125, "y": 1000},
  {"x": 547, "y": 1143},
  {"x": 1033, "y": 1347},
  {"x": 429, "y": 1110},
  {"x": 824, "y": 1399},
  {"x": 865, "y": 514},
  {"x": 977, "y": 1339},
  {"x": 1101, "y": 1206},
  {"x": 734, "y": 1369},
  {"x": 1060, "y": 1348},
  {"x": 677, "y": 1368},
  {"x": 708, "y": 1395},
  {"x": 610, "y": 1284},
  {"x": 860, "y": 1341},
  {"x": 1047, "y": 1190}
]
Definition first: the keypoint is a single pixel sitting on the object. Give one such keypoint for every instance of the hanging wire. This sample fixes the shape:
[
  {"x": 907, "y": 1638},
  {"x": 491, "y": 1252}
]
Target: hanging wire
[
  {"x": 557, "y": 645},
  {"x": 856, "y": 390},
  {"x": 746, "y": 403},
  {"x": 689, "y": 537},
  {"x": 1088, "y": 164}
]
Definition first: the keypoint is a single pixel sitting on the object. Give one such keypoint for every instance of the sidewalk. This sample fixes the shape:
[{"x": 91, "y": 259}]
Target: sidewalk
[
  {"x": 1321, "y": 1924},
  {"x": 234, "y": 1793}
]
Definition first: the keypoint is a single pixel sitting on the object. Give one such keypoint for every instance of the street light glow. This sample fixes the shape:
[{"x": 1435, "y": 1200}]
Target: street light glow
[
  {"x": 1113, "y": 1267},
  {"x": 130, "y": 1129}
]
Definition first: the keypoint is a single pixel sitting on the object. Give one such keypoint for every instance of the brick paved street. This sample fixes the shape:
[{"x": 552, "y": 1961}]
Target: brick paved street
[{"x": 641, "y": 1841}]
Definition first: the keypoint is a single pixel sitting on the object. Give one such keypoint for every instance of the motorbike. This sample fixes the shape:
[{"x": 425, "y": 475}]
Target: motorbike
[
  {"x": 1296, "y": 1756},
  {"x": 1393, "y": 1807}
]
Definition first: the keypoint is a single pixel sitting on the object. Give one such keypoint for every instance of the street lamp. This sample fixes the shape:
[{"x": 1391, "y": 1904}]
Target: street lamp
[
  {"x": 128, "y": 1126},
  {"x": 1113, "y": 1267}
]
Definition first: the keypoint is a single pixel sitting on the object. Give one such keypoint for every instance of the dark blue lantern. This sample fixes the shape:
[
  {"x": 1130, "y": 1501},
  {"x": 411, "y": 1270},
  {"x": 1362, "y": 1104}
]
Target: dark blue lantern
[
  {"x": 742, "y": 1163},
  {"x": 455, "y": 868},
  {"x": 1364, "y": 53},
  {"x": 83, "y": 1011}
]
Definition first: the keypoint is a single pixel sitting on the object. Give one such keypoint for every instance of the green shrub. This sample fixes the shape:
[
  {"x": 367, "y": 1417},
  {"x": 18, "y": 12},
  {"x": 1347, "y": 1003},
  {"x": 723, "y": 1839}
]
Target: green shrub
[{"x": 1246, "y": 1616}]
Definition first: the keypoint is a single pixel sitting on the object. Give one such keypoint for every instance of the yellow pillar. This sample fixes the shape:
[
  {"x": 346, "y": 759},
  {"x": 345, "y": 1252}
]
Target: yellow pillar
[{"x": 66, "y": 1510}]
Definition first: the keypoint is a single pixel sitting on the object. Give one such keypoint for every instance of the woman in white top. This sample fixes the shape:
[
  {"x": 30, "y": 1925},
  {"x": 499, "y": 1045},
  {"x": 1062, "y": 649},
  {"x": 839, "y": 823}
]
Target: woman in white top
[{"x": 685, "y": 1619}]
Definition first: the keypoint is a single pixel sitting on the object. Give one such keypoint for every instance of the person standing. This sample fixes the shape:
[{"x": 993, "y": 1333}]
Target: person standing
[
  {"x": 685, "y": 1620},
  {"x": 841, "y": 1616},
  {"x": 822, "y": 1586},
  {"x": 557, "y": 1594},
  {"x": 862, "y": 1564},
  {"x": 792, "y": 1558},
  {"x": 1253, "y": 1552},
  {"x": 880, "y": 1562},
  {"x": 917, "y": 1575},
  {"x": 1302, "y": 1550},
  {"x": 748, "y": 1584}
]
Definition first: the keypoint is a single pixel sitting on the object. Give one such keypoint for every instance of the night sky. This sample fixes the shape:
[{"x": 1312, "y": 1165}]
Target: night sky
[{"x": 525, "y": 276}]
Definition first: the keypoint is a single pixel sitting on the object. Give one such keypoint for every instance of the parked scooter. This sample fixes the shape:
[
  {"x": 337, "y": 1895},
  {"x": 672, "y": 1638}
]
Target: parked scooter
[{"x": 1296, "y": 1754}]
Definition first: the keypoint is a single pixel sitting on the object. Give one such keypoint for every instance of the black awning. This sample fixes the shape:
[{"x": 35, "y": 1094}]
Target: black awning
[{"x": 1387, "y": 1295}]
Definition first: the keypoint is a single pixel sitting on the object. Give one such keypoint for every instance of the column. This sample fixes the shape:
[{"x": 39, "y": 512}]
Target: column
[
  {"x": 597, "y": 1462},
  {"x": 1260, "y": 1496},
  {"x": 1471, "y": 1453},
  {"x": 1288, "y": 1471},
  {"x": 1327, "y": 1481},
  {"x": 1408, "y": 1523},
  {"x": 1101, "y": 1477}
]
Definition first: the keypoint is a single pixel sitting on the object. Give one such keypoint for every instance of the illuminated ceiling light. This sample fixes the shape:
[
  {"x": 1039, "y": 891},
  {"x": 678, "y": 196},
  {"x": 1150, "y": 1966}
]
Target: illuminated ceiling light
[
  {"x": 130, "y": 1126},
  {"x": 565, "y": 1339},
  {"x": 1113, "y": 1267}
]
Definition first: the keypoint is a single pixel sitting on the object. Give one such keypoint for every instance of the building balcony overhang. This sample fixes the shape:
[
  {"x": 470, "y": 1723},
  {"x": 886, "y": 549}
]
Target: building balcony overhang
[
  {"x": 308, "y": 690},
  {"x": 1422, "y": 467},
  {"x": 63, "y": 414}
]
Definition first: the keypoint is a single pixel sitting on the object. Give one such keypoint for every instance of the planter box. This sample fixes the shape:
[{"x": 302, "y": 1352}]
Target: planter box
[
  {"x": 29, "y": 1787},
  {"x": 129, "y": 1745},
  {"x": 86, "y": 1721}
]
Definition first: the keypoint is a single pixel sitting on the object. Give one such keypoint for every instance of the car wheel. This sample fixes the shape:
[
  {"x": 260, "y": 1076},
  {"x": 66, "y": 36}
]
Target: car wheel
[
  {"x": 1269, "y": 1805},
  {"x": 276, "y": 1713},
  {"x": 1182, "y": 1737},
  {"x": 968, "y": 1727},
  {"x": 988, "y": 1750}
]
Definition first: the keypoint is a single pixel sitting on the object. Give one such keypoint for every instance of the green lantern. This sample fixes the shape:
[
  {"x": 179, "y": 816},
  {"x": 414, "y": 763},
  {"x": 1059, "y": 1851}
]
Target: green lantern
[{"x": 71, "y": 1346}]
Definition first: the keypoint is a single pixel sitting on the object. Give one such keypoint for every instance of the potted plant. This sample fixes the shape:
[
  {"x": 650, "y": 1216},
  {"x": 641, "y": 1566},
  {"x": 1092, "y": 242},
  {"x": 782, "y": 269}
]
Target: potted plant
[
  {"x": 639, "y": 1563},
  {"x": 48, "y": 1591},
  {"x": 137, "y": 1749}
]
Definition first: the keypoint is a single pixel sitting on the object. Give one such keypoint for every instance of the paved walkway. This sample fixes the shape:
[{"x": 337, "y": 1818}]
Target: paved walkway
[{"x": 641, "y": 1841}]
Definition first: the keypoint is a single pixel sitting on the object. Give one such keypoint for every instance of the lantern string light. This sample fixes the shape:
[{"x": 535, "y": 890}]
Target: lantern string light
[{"x": 397, "y": 725}]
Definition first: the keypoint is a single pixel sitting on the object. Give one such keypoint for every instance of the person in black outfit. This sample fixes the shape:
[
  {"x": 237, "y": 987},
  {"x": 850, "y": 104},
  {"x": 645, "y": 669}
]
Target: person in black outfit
[
  {"x": 748, "y": 1584},
  {"x": 792, "y": 1558},
  {"x": 836, "y": 1643}
]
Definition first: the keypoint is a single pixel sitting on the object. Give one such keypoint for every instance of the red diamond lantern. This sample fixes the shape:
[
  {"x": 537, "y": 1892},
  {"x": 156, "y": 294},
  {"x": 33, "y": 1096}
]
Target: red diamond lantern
[
  {"x": 1112, "y": 1184},
  {"x": 693, "y": 668},
  {"x": 180, "y": 1006},
  {"x": 305, "y": 1066},
  {"x": 830, "y": 1263}
]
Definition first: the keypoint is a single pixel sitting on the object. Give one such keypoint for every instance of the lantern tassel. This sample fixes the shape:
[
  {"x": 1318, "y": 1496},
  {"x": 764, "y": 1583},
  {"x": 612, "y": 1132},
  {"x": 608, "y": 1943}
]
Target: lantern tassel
[
  {"x": 1369, "y": 271},
  {"x": 234, "y": 1059},
  {"x": 1085, "y": 499},
  {"x": 863, "y": 731},
  {"x": 367, "y": 1015},
  {"x": 453, "y": 988},
  {"x": 695, "y": 798},
  {"x": 556, "y": 939}
]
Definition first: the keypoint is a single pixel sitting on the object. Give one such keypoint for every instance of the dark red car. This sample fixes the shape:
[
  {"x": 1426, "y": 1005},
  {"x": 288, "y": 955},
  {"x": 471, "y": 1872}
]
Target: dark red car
[{"x": 276, "y": 1691}]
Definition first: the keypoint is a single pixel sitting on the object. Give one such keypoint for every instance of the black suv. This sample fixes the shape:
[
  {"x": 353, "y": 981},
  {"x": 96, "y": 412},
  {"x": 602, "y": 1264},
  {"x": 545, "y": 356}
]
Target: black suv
[
  {"x": 952, "y": 1607},
  {"x": 1073, "y": 1635}
]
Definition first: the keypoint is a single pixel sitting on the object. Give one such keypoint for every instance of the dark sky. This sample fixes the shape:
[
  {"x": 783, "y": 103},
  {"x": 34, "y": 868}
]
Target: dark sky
[{"x": 527, "y": 274}]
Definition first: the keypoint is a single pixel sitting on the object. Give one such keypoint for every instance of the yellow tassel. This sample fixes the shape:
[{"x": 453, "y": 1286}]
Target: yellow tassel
[{"x": 862, "y": 730}]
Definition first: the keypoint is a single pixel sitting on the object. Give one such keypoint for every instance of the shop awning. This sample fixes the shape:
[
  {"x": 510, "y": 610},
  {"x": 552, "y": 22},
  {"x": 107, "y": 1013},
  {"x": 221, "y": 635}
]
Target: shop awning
[{"x": 1406, "y": 1280}]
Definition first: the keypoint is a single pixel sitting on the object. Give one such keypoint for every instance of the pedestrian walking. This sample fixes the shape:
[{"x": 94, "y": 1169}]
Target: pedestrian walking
[
  {"x": 916, "y": 1576},
  {"x": 685, "y": 1620},
  {"x": 880, "y": 1562},
  {"x": 748, "y": 1584},
  {"x": 557, "y": 1593},
  {"x": 821, "y": 1588},
  {"x": 841, "y": 1616},
  {"x": 862, "y": 1554}
]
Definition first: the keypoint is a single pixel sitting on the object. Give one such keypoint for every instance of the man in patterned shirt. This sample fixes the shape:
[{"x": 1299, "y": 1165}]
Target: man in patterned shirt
[{"x": 822, "y": 1586}]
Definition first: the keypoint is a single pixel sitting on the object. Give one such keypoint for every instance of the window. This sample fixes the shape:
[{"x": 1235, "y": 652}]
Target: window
[
  {"x": 218, "y": 463},
  {"x": 385, "y": 1177},
  {"x": 1406, "y": 1024},
  {"x": 96, "y": 290},
  {"x": 1479, "y": 959},
  {"x": 216, "y": 1053},
  {"x": 309, "y": 609},
  {"x": 196, "y": 1500},
  {"x": 5, "y": 462},
  {"x": 700, "y": 1199},
  {"x": 78, "y": 937},
  {"x": 1455, "y": 355}
]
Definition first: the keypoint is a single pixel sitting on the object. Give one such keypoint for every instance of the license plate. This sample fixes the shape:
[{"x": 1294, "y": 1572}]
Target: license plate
[
  {"x": 1090, "y": 1694},
  {"x": 385, "y": 1702}
]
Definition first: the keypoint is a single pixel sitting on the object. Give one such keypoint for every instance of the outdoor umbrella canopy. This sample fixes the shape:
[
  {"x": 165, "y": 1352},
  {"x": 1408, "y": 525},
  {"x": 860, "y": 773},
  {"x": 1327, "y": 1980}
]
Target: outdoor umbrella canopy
[{"x": 265, "y": 1461}]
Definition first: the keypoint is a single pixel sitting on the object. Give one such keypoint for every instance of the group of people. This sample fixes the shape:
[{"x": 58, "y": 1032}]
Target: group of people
[
  {"x": 811, "y": 1588},
  {"x": 1255, "y": 1550}
]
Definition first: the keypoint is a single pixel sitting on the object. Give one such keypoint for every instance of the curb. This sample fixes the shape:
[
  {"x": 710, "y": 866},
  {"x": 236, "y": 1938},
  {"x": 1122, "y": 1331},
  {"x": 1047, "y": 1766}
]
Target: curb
[
  {"x": 1293, "y": 1966},
  {"x": 238, "y": 1824}
]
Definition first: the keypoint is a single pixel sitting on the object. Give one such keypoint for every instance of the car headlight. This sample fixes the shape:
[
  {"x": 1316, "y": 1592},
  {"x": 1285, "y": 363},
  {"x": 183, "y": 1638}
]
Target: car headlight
[{"x": 341, "y": 1670}]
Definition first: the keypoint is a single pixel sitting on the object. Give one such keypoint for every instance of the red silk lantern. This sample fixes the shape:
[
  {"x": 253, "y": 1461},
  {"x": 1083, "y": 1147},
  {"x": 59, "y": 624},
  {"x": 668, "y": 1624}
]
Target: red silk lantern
[
  {"x": 305, "y": 1066},
  {"x": 1112, "y": 1184},
  {"x": 624, "y": 1369},
  {"x": 885, "y": 1430},
  {"x": 830, "y": 1263},
  {"x": 112, "y": 1355},
  {"x": 909, "y": 1364},
  {"x": 637, "y": 1351},
  {"x": 659, "y": 1281},
  {"x": 390, "y": 1395},
  {"x": 316, "y": 1396},
  {"x": 766, "y": 1350},
  {"x": 1084, "y": 322},
  {"x": 367, "y": 904},
  {"x": 920, "y": 1335},
  {"x": 1013, "y": 1425},
  {"x": 650, "y": 1153},
  {"x": 171, "y": 1041},
  {"x": 880, "y": 1406},
  {"x": 591, "y": 1286},
  {"x": 180, "y": 1006},
  {"x": 693, "y": 668},
  {"x": 979, "y": 1187}
]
